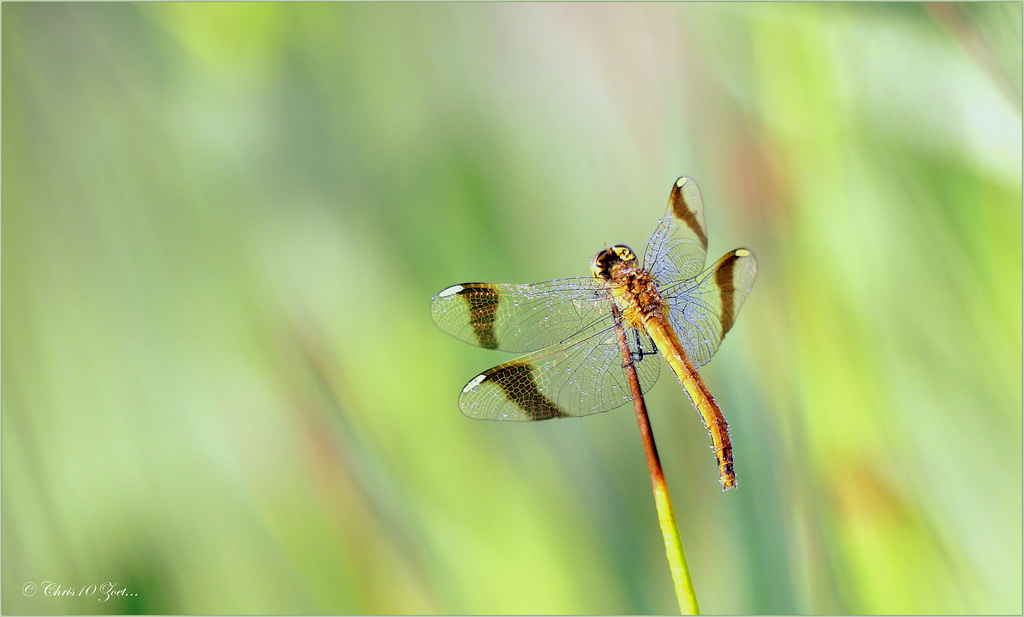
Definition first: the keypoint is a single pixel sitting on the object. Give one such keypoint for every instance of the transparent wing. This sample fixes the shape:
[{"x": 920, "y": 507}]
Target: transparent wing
[
  {"x": 579, "y": 377},
  {"x": 521, "y": 317},
  {"x": 703, "y": 309},
  {"x": 679, "y": 245}
]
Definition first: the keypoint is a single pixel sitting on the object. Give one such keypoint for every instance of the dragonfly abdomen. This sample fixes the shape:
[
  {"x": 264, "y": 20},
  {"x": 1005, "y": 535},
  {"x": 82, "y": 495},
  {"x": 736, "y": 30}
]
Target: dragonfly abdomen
[{"x": 664, "y": 337}]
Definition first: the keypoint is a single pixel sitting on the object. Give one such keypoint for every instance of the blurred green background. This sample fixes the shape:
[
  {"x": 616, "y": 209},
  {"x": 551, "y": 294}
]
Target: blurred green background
[{"x": 223, "y": 224}]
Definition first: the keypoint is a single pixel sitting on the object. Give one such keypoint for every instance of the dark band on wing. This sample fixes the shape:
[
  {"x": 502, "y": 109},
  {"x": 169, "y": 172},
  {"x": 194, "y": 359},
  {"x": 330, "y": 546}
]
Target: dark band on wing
[
  {"x": 724, "y": 280},
  {"x": 517, "y": 381},
  {"x": 483, "y": 305},
  {"x": 686, "y": 212}
]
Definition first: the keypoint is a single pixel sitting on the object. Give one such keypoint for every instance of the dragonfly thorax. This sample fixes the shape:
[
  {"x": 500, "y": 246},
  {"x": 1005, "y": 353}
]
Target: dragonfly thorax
[{"x": 633, "y": 288}]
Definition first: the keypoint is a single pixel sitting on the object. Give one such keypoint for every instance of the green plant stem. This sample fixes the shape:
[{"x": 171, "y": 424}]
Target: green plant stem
[{"x": 666, "y": 516}]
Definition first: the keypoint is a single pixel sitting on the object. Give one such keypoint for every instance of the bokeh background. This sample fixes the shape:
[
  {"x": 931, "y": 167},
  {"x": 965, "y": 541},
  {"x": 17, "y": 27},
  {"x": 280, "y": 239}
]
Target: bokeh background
[{"x": 223, "y": 225}]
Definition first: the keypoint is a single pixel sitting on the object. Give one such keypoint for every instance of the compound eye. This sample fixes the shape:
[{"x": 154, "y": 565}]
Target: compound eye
[
  {"x": 624, "y": 252},
  {"x": 597, "y": 266}
]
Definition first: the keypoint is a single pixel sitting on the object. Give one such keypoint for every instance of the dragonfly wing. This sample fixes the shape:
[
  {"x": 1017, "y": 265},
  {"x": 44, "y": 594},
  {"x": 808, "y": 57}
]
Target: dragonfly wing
[
  {"x": 679, "y": 246},
  {"x": 521, "y": 317},
  {"x": 582, "y": 376},
  {"x": 703, "y": 310}
]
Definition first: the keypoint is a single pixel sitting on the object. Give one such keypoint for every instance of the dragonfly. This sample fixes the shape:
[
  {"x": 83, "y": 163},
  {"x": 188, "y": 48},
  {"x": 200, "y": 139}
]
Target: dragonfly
[{"x": 568, "y": 328}]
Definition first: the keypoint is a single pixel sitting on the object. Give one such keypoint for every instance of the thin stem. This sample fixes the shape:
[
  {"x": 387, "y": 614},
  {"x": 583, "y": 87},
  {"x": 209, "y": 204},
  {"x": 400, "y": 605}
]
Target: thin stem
[{"x": 666, "y": 517}]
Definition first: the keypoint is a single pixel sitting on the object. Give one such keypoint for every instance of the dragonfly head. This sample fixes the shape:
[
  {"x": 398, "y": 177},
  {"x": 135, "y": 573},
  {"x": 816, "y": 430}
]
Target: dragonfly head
[{"x": 605, "y": 263}]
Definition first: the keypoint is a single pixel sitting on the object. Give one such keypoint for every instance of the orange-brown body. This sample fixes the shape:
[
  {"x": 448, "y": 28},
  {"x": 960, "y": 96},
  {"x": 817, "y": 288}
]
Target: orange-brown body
[{"x": 636, "y": 294}]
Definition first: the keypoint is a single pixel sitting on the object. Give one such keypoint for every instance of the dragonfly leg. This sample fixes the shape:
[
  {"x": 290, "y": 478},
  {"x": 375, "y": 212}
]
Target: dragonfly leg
[{"x": 641, "y": 349}]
